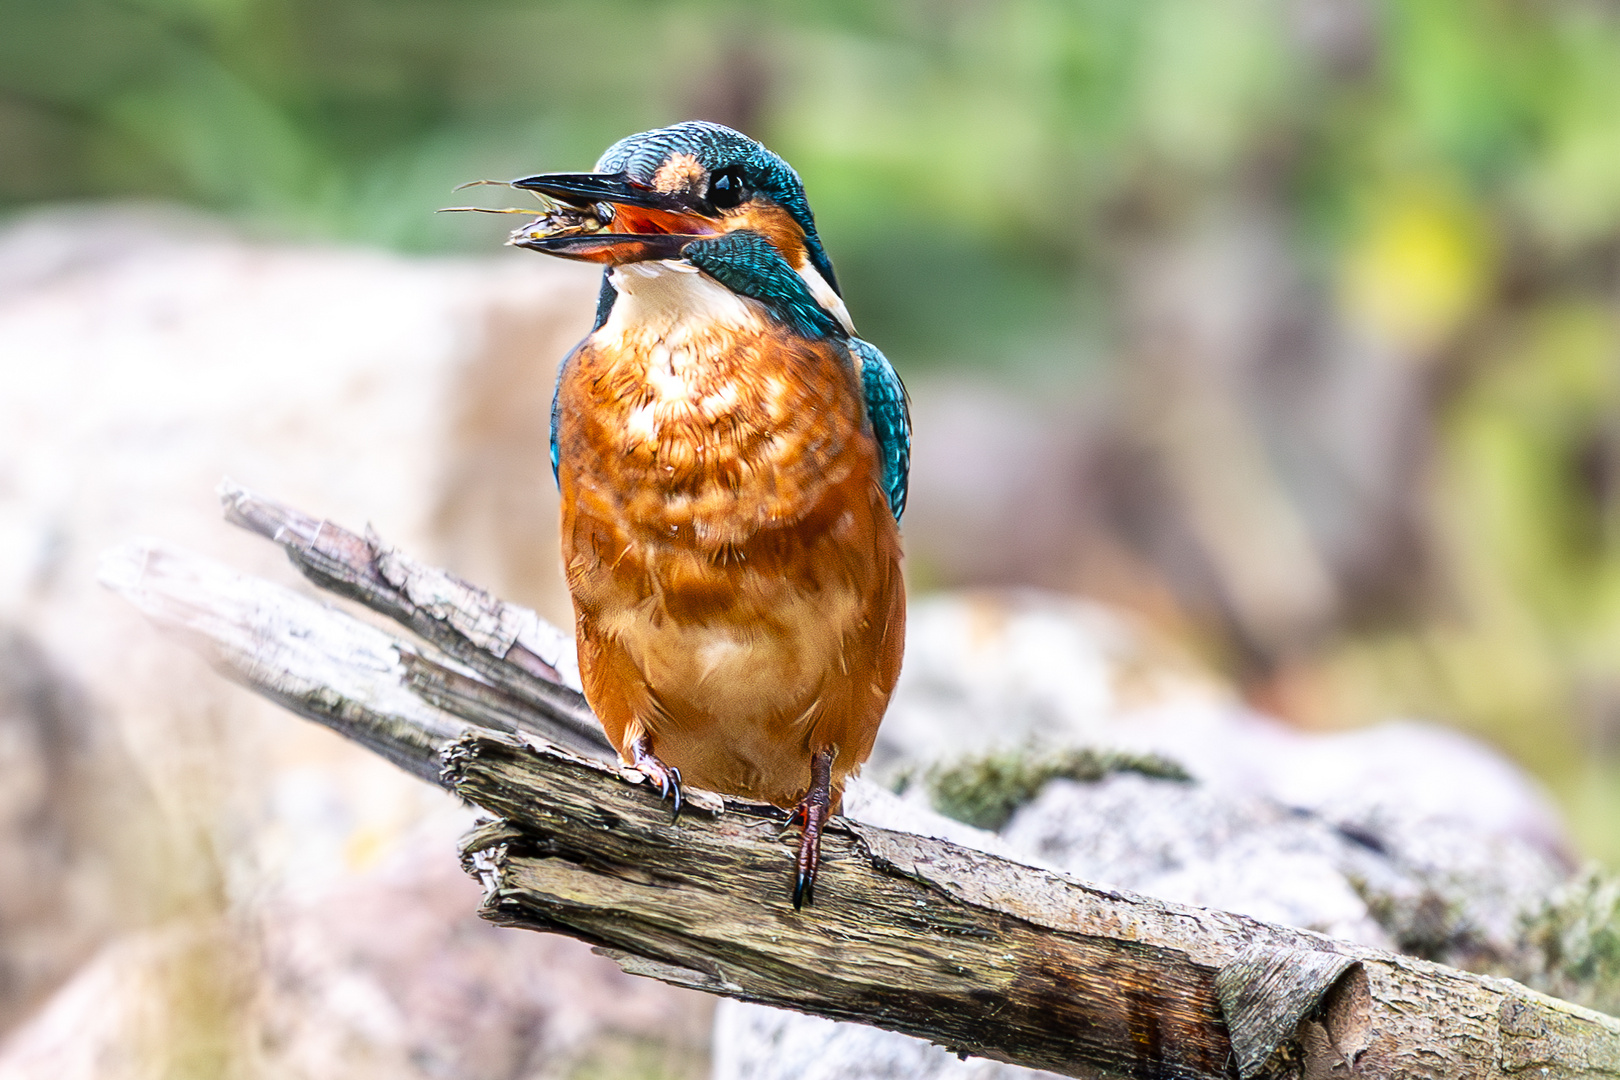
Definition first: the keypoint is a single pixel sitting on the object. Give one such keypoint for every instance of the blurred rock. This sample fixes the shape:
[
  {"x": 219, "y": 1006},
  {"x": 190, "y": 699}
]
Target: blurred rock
[
  {"x": 1248, "y": 466},
  {"x": 384, "y": 973},
  {"x": 209, "y": 850},
  {"x": 1403, "y": 836},
  {"x": 67, "y": 791},
  {"x": 392, "y": 974},
  {"x": 757, "y": 1041},
  {"x": 998, "y": 487},
  {"x": 998, "y": 670},
  {"x": 164, "y": 1001}
]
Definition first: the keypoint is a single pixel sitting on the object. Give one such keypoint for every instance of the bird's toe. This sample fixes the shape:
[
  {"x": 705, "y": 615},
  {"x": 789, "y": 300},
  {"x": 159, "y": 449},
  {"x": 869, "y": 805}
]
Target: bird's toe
[{"x": 667, "y": 778}]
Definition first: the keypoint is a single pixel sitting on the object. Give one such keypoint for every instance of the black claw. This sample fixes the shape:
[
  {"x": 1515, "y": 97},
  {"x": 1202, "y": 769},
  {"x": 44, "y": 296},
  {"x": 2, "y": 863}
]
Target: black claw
[
  {"x": 787, "y": 827},
  {"x": 813, "y": 810},
  {"x": 667, "y": 777}
]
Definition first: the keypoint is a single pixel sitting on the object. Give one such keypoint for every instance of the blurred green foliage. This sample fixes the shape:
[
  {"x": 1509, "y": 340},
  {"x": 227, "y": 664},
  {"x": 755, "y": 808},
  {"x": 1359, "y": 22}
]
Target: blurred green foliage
[
  {"x": 967, "y": 159},
  {"x": 1449, "y": 169}
]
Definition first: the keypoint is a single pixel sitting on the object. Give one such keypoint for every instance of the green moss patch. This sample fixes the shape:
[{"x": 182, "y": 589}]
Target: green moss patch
[
  {"x": 1577, "y": 935},
  {"x": 985, "y": 791}
]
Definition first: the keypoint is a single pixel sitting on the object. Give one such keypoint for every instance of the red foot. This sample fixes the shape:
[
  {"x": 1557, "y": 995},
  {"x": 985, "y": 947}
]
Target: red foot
[{"x": 814, "y": 810}]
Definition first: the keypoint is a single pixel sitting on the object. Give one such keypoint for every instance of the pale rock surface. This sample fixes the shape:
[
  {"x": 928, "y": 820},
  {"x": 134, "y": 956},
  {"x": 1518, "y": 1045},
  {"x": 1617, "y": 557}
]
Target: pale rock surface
[
  {"x": 756, "y": 1040},
  {"x": 385, "y": 972},
  {"x": 65, "y": 792},
  {"x": 391, "y": 973}
]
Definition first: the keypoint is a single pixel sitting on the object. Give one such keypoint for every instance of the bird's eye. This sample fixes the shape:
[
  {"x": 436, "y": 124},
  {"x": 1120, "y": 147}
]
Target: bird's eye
[{"x": 726, "y": 189}]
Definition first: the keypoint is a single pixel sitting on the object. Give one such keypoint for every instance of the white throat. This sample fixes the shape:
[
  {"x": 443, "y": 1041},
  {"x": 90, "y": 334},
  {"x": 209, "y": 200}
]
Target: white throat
[
  {"x": 666, "y": 297},
  {"x": 669, "y": 298}
]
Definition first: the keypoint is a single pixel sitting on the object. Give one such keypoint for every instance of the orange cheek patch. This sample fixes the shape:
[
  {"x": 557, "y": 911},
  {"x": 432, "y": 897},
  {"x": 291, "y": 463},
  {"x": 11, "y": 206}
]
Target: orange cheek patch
[{"x": 774, "y": 224}]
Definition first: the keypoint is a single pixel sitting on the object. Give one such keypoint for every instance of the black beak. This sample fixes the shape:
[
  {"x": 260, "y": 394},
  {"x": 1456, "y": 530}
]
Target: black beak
[
  {"x": 606, "y": 247},
  {"x": 612, "y": 219},
  {"x": 586, "y": 189}
]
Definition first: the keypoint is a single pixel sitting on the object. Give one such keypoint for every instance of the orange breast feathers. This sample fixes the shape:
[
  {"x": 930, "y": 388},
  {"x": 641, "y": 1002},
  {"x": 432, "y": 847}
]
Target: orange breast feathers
[{"x": 734, "y": 564}]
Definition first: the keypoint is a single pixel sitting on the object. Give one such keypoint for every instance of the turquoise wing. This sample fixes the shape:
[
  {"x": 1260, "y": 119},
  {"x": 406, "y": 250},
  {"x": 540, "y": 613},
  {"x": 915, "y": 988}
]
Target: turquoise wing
[{"x": 888, "y": 408}]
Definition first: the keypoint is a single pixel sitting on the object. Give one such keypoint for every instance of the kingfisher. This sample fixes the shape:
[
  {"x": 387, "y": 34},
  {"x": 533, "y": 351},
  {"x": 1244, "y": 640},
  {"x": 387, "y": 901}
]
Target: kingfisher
[{"x": 732, "y": 462}]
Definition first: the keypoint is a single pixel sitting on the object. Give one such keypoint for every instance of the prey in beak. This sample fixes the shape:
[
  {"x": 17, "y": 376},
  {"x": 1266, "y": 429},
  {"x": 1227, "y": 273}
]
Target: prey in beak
[{"x": 610, "y": 218}]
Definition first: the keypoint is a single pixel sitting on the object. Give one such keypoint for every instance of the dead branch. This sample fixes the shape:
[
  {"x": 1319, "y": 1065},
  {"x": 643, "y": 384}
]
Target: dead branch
[{"x": 976, "y": 952}]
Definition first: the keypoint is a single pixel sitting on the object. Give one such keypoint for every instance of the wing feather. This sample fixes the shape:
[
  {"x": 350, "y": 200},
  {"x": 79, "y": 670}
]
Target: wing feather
[{"x": 888, "y": 407}]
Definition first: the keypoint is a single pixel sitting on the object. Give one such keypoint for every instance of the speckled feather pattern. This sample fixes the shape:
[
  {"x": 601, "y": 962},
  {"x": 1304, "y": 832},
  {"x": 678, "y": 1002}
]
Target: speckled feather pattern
[{"x": 728, "y": 536}]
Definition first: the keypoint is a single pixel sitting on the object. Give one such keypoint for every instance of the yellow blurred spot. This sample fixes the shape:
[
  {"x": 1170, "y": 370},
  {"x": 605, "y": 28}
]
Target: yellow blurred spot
[
  {"x": 365, "y": 847},
  {"x": 1418, "y": 271}
]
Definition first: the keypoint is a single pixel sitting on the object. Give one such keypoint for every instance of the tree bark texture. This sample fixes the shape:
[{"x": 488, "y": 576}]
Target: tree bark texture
[{"x": 979, "y": 953}]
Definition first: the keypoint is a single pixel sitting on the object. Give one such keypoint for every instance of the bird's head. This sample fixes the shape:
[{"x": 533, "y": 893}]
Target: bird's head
[{"x": 656, "y": 194}]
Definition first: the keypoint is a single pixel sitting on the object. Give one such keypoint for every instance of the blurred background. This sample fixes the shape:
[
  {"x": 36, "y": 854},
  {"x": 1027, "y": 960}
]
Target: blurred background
[{"x": 1290, "y": 326}]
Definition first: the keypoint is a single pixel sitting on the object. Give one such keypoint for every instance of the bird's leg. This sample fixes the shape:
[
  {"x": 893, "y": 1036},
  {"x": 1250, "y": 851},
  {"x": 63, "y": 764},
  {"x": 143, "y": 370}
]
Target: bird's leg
[
  {"x": 667, "y": 777},
  {"x": 813, "y": 810}
]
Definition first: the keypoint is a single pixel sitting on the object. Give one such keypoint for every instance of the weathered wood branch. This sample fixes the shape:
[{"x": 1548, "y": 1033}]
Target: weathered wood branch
[
  {"x": 979, "y": 953},
  {"x": 525, "y": 666}
]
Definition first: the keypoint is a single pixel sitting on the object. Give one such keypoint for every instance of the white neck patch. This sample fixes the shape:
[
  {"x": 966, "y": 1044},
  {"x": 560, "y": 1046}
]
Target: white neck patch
[
  {"x": 668, "y": 298},
  {"x": 824, "y": 295},
  {"x": 657, "y": 297}
]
